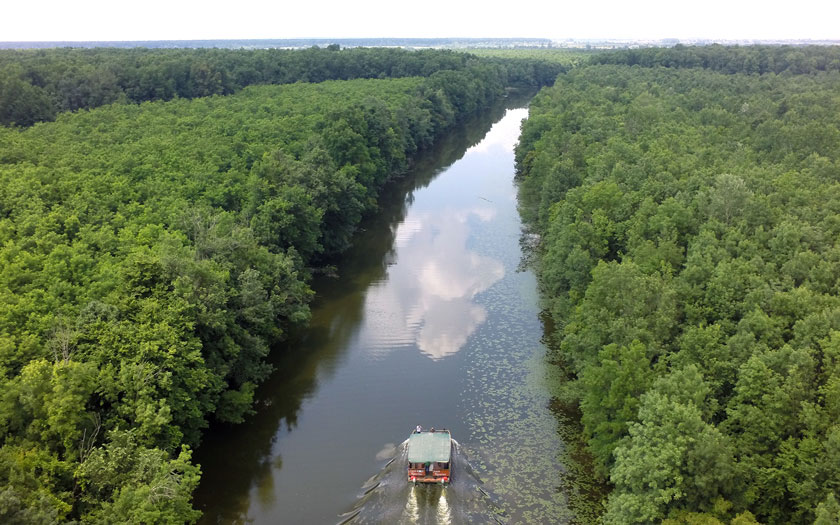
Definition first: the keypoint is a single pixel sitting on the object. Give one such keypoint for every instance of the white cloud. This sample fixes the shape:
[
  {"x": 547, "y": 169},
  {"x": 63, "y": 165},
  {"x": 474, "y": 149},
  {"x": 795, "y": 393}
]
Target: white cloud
[{"x": 427, "y": 299}]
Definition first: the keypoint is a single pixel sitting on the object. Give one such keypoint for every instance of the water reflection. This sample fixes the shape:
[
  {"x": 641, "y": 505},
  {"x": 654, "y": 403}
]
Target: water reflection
[
  {"x": 329, "y": 411},
  {"x": 427, "y": 298},
  {"x": 244, "y": 478}
]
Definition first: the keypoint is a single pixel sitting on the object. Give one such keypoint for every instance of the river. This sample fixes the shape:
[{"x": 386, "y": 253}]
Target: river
[{"x": 431, "y": 321}]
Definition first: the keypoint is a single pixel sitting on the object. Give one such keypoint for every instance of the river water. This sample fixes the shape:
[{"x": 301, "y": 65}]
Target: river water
[{"x": 431, "y": 321}]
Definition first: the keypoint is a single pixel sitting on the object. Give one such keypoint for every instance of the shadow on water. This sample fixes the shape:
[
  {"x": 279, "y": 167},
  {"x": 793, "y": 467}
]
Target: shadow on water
[
  {"x": 585, "y": 489},
  {"x": 388, "y": 497},
  {"x": 238, "y": 459}
]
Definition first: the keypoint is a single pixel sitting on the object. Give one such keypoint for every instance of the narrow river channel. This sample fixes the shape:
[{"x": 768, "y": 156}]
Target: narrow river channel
[{"x": 431, "y": 322}]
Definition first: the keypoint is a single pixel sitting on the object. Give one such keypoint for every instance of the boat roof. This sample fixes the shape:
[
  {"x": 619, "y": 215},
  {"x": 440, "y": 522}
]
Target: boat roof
[{"x": 429, "y": 446}]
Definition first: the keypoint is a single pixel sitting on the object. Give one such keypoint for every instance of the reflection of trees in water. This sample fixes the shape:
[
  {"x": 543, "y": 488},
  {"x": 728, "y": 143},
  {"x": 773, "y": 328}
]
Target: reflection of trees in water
[
  {"x": 586, "y": 491},
  {"x": 236, "y": 458}
]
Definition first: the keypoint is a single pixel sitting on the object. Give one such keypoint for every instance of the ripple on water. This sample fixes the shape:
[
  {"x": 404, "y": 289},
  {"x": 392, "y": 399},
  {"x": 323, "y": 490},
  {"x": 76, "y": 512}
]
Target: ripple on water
[
  {"x": 388, "y": 497},
  {"x": 515, "y": 445}
]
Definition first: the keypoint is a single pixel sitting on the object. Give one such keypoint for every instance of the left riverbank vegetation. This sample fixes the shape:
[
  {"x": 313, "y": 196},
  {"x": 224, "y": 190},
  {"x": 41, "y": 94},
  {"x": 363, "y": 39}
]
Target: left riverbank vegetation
[
  {"x": 687, "y": 202},
  {"x": 152, "y": 251},
  {"x": 38, "y": 84}
]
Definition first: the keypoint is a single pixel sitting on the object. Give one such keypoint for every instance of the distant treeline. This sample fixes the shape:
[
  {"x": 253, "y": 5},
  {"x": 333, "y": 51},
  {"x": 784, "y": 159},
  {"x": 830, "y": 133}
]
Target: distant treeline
[
  {"x": 288, "y": 43},
  {"x": 36, "y": 85},
  {"x": 151, "y": 254},
  {"x": 564, "y": 56},
  {"x": 690, "y": 255},
  {"x": 748, "y": 60}
]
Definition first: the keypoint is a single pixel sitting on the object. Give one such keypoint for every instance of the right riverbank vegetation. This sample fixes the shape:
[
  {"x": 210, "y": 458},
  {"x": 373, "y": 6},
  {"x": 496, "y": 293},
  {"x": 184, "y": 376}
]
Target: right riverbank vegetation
[
  {"x": 688, "y": 203},
  {"x": 158, "y": 238}
]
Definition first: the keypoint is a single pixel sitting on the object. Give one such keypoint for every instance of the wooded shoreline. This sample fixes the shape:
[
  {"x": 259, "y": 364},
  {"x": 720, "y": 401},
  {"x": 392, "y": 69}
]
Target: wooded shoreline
[
  {"x": 152, "y": 252},
  {"x": 687, "y": 200}
]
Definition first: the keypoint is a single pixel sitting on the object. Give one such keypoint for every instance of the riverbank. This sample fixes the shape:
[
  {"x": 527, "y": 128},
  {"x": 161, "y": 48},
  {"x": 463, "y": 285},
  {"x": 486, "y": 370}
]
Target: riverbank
[{"x": 429, "y": 322}]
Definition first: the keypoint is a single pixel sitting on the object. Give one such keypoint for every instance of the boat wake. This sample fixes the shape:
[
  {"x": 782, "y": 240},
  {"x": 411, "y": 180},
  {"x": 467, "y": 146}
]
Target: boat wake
[{"x": 388, "y": 497}]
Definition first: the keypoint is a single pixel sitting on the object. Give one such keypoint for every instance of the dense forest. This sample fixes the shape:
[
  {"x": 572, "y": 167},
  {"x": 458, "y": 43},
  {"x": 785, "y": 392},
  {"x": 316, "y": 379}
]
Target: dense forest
[
  {"x": 151, "y": 253},
  {"x": 564, "y": 56},
  {"x": 688, "y": 203},
  {"x": 733, "y": 59},
  {"x": 36, "y": 85}
]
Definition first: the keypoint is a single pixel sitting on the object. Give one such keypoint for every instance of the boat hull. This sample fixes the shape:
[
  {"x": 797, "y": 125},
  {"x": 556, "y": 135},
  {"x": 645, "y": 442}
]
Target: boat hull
[{"x": 438, "y": 476}]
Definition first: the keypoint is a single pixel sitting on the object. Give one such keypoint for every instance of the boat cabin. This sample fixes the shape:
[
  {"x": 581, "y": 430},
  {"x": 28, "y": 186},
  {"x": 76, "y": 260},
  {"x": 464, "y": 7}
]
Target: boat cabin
[{"x": 429, "y": 456}]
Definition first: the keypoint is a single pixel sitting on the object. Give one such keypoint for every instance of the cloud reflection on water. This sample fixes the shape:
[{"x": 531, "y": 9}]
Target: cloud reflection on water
[{"x": 427, "y": 298}]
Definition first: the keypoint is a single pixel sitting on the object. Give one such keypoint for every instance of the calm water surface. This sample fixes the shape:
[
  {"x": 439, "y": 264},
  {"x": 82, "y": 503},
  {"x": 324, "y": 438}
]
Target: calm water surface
[{"x": 431, "y": 323}]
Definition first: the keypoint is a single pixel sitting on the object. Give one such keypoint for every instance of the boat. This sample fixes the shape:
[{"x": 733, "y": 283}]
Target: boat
[{"x": 430, "y": 456}]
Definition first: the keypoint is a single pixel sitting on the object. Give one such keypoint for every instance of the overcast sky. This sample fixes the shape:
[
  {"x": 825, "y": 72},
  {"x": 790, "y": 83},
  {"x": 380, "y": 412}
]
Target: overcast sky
[{"x": 557, "y": 19}]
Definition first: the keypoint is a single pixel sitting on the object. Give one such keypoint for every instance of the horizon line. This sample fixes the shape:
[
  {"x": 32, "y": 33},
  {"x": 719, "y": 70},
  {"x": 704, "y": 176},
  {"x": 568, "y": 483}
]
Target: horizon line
[{"x": 450, "y": 38}]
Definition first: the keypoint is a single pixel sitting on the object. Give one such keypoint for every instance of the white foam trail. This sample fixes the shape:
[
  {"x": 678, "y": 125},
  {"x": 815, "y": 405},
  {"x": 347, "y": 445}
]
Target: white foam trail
[
  {"x": 412, "y": 511},
  {"x": 388, "y": 497},
  {"x": 444, "y": 515}
]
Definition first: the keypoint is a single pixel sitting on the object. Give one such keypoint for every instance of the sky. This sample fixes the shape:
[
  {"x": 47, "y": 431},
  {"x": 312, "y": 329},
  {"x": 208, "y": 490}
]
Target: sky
[{"x": 35, "y": 20}]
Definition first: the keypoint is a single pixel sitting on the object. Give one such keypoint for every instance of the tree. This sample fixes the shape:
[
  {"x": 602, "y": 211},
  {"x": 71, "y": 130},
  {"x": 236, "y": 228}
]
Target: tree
[
  {"x": 610, "y": 403},
  {"x": 672, "y": 458},
  {"x": 125, "y": 483},
  {"x": 828, "y": 511},
  {"x": 21, "y": 103}
]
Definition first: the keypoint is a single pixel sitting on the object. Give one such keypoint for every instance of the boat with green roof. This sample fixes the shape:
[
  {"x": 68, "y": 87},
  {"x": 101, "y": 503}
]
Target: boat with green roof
[{"x": 430, "y": 456}]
